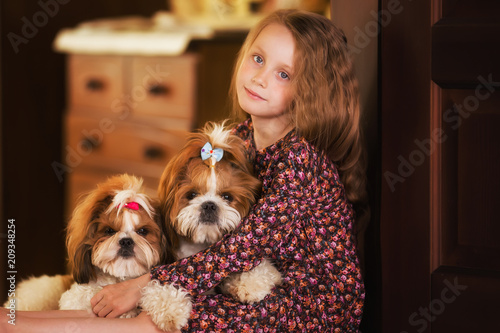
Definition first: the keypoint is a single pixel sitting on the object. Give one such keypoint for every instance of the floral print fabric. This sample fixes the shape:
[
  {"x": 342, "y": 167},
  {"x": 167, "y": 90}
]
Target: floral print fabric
[{"x": 304, "y": 224}]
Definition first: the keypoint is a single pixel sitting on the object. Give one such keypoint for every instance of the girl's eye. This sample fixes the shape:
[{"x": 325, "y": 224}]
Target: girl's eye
[
  {"x": 283, "y": 75},
  {"x": 109, "y": 232},
  {"x": 258, "y": 59},
  {"x": 227, "y": 196},
  {"x": 142, "y": 232}
]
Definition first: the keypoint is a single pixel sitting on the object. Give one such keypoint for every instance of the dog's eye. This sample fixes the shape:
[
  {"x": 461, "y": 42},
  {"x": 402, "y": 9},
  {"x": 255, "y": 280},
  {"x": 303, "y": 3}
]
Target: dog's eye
[
  {"x": 142, "y": 232},
  {"x": 227, "y": 196},
  {"x": 109, "y": 231},
  {"x": 191, "y": 195}
]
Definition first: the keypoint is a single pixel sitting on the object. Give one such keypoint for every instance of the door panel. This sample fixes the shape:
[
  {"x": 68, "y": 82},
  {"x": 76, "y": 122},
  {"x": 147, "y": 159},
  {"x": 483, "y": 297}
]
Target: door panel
[
  {"x": 470, "y": 157},
  {"x": 453, "y": 134},
  {"x": 465, "y": 282}
]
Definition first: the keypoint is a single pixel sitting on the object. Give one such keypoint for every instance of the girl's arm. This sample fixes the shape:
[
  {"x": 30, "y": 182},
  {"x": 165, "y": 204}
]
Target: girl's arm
[
  {"x": 54, "y": 314},
  {"x": 141, "y": 323},
  {"x": 116, "y": 299}
]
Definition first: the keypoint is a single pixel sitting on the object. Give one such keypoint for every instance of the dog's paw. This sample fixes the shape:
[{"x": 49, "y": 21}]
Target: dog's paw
[
  {"x": 252, "y": 286},
  {"x": 78, "y": 297},
  {"x": 246, "y": 288},
  {"x": 168, "y": 306},
  {"x": 131, "y": 314}
]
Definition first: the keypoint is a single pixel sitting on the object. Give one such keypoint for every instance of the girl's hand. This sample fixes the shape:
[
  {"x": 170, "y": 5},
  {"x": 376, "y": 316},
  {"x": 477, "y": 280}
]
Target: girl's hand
[{"x": 116, "y": 299}]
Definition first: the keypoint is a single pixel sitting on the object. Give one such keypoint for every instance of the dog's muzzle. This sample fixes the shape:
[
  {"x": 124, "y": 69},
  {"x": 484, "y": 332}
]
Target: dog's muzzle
[
  {"x": 126, "y": 247},
  {"x": 209, "y": 212}
]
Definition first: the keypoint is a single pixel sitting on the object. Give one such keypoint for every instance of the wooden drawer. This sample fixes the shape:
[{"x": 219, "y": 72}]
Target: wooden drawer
[
  {"x": 121, "y": 146},
  {"x": 95, "y": 81},
  {"x": 164, "y": 86}
]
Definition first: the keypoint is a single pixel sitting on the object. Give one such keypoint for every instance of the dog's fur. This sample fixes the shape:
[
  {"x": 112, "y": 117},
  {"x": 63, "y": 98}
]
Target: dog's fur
[
  {"x": 41, "y": 293},
  {"x": 201, "y": 201}
]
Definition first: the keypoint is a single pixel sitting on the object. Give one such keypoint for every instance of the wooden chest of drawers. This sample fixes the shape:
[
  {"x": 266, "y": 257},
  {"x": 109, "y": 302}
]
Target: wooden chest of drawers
[{"x": 126, "y": 114}]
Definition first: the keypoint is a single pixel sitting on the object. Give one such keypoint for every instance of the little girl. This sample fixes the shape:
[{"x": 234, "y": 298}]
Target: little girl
[{"x": 295, "y": 84}]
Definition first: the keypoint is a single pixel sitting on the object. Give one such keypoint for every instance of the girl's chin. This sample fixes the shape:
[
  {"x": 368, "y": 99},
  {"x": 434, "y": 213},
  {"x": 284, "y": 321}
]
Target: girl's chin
[{"x": 251, "y": 107}]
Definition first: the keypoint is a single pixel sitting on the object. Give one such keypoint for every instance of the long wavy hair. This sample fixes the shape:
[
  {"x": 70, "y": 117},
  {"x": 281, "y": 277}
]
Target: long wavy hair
[{"x": 325, "y": 107}]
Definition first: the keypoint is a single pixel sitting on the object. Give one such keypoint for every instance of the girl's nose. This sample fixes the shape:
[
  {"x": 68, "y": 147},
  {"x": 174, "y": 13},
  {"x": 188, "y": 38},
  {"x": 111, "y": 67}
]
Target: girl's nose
[{"x": 259, "y": 79}]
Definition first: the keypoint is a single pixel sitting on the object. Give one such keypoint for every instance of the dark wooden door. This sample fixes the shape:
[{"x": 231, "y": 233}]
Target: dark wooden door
[{"x": 440, "y": 105}]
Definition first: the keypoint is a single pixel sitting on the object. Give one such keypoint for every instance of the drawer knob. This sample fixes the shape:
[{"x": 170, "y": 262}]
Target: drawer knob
[
  {"x": 94, "y": 85},
  {"x": 154, "y": 153},
  {"x": 159, "y": 89},
  {"x": 90, "y": 143}
]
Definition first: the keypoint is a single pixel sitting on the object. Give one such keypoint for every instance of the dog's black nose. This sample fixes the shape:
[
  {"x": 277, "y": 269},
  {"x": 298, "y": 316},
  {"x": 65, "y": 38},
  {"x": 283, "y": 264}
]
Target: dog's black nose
[
  {"x": 209, "y": 205},
  {"x": 126, "y": 247},
  {"x": 126, "y": 243},
  {"x": 209, "y": 212}
]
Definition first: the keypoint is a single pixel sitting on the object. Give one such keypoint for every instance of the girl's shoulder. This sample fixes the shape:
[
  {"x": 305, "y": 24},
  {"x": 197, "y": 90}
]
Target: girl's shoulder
[
  {"x": 300, "y": 167},
  {"x": 298, "y": 153},
  {"x": 302, "y": 154}
]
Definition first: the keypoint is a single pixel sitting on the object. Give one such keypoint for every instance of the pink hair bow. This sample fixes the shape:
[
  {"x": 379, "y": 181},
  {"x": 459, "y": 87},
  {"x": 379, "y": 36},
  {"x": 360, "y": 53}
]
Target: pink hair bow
[{"x": 132, "y": 205}]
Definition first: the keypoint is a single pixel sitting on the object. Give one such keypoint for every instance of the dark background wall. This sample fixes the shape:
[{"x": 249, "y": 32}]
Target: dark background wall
[{"x": 32, "y": 103}]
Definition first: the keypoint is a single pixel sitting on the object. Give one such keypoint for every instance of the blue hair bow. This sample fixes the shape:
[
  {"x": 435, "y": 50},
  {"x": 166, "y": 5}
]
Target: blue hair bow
[{"x": 207, "y": 152}]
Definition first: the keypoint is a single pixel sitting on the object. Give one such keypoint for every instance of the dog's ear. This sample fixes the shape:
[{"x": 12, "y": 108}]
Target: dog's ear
[
  {"x": 170, "y": 180},
  {"x": 169, "y": 240},
  {"x": 83, "y": 270},
  {"x": 169, "y": 185},
  {"x": 81, "y": 231},
  {"x": 173, "y": 175}
]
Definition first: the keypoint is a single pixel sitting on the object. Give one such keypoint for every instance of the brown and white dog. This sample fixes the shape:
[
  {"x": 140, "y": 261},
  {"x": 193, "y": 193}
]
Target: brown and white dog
[
  {"x": 204, "y": 192},
  {"x": 115, "y": 234}
]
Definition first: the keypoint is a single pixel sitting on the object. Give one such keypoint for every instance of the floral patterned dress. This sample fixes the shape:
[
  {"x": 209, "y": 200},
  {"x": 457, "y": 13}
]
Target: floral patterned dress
[{"x": 304, "y": 224}]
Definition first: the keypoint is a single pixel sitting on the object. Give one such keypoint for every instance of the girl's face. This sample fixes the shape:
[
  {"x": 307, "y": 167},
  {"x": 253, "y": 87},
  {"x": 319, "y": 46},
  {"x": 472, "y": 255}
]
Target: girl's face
[{"x": 263, "y": 80}]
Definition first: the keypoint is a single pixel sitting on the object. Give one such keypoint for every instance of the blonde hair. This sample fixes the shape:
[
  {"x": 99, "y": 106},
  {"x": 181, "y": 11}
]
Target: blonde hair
[{"x": 325, "y": 107}]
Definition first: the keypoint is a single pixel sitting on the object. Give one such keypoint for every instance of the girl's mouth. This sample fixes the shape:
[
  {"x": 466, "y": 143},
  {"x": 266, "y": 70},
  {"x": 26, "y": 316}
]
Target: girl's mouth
[{"x": 253, "y": 95}]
